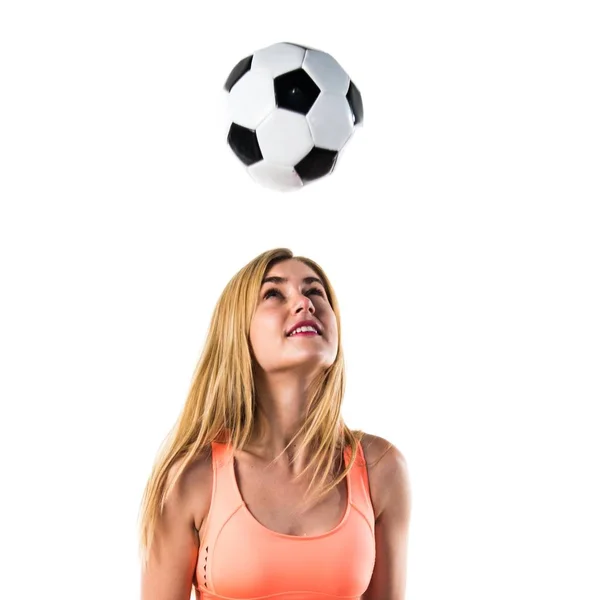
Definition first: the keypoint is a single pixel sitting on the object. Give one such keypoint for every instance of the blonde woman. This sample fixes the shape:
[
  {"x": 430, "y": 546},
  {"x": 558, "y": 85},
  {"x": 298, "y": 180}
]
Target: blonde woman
[{"x": 261, "y": 491}]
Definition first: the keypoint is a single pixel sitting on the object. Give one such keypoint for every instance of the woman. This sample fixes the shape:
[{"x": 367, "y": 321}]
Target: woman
[{"x": 261, "y": 490}]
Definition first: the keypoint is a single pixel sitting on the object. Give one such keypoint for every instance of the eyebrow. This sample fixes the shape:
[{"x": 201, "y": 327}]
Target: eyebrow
[{"x": 275, "y": 279}]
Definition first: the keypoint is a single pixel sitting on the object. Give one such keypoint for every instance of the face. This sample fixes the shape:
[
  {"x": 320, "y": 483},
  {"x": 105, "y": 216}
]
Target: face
[{"x": 293, "y": 292}]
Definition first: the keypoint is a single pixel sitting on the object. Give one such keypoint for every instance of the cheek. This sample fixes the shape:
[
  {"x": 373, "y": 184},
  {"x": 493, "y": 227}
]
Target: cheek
[
  {"x": 335, "y": 337},
  {"x": 254, "y": 338},
  {"x": 332, "y": 325},
  {"x": 264, "y": 332}
]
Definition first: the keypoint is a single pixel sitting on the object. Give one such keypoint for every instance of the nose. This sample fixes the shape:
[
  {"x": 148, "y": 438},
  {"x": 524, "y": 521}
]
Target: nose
[{"x": 304, "y": 304}]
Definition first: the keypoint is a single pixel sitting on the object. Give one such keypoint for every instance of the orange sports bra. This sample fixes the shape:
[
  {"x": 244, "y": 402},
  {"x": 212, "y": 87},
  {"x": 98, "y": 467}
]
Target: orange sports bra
[{"x": 241, "y": 559}]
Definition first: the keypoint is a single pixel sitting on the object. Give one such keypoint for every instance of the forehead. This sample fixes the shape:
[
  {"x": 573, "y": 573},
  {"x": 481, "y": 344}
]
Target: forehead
[{"x": 291, "y": 269}]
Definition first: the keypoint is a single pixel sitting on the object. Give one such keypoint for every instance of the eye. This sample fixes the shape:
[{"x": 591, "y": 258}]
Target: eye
[
  {"x": 275, "y": 291},
  {"x": 272, "y": 291},
  {"x": 316, "y": 290}
]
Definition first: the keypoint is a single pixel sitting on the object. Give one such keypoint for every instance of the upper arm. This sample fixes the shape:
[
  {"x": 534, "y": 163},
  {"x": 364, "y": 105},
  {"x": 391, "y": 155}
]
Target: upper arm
[
  {"x": 173, "y": 554},
  {"x": 388, "y": 581}
]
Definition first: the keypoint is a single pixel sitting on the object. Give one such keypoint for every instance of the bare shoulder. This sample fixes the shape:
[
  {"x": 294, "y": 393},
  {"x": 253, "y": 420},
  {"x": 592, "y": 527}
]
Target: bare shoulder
[
  {"x": 390, "y": 492},
  {"x": 387, "y": 469},
  {"x": 195, "y": 484},
  {"x": 381, "y": 454},
  {"x": 168, "y": 571}
]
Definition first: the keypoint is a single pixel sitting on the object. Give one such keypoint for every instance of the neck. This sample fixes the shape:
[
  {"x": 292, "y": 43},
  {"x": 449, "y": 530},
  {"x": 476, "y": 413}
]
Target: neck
[{"x": 281, "y": 411}]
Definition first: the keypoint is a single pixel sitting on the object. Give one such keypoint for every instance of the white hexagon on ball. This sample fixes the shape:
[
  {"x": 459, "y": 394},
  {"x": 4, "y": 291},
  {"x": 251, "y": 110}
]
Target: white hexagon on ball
[
  {"x": 284, "y": 137},
  {"x": 275, "y": 177},
  {"x": 330, "y": 121},
  {"x": 326, "y": 72},
  {"x": 279, "y": 58},
  {"x": 252, "y": 98}
]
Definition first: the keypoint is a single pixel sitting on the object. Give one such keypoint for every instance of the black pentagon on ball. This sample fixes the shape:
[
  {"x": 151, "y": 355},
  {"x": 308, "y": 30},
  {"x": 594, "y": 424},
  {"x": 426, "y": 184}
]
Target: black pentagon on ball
[
  {"x": 317, "y": 163},
  {"x": 244, "y": 143},
  {"x": 355, "y": 101},
  {"x": 296, "y": 91},
  {"x": 237, "y": 72}
]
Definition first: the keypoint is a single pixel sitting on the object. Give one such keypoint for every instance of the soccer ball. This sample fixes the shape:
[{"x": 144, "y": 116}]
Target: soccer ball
[{"x": 291, "y": 111}]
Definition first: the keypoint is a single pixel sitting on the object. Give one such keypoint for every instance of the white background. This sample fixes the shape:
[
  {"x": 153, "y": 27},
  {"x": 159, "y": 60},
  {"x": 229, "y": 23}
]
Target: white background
[{"x": 460, "y": 231}]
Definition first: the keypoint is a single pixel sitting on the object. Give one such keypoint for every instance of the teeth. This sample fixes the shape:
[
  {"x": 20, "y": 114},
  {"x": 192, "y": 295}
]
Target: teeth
[{"x": 306, "y": 328}]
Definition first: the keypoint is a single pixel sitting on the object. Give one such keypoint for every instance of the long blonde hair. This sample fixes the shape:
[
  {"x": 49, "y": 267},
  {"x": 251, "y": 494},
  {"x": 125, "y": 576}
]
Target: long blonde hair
[{"x": 221, "y": 405}]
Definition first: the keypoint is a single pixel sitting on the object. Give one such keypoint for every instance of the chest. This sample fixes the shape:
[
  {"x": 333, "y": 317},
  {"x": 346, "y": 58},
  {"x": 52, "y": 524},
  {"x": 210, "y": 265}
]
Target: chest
[{"x": 277, "y": 502}]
